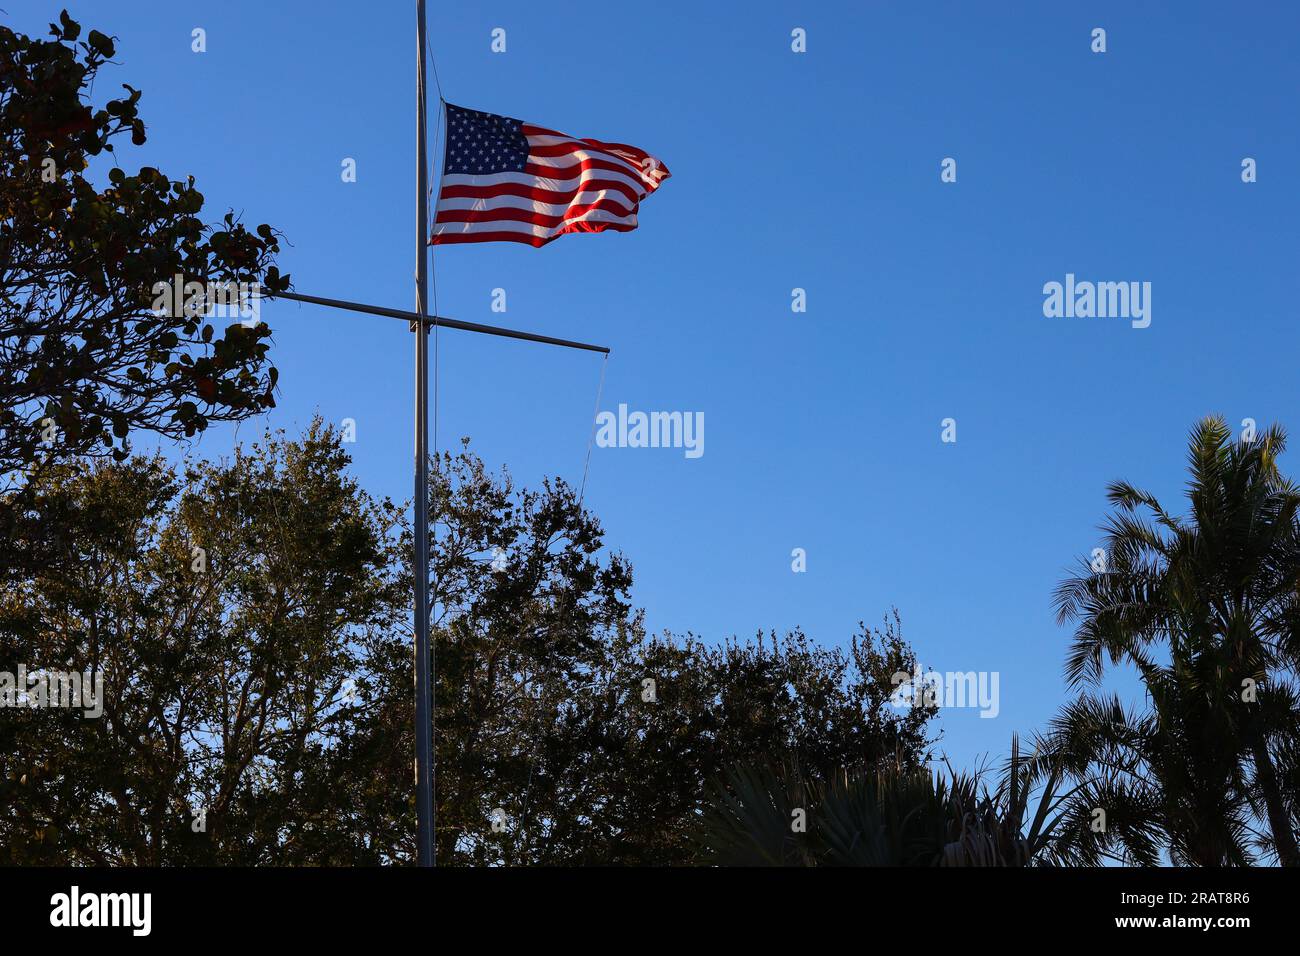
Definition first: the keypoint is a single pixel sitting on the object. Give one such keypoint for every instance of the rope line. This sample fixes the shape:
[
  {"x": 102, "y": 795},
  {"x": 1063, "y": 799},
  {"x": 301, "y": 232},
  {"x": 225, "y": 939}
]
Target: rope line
[
  {"x": 434, "y": 63},
  {"x": 591, "y": 440}
]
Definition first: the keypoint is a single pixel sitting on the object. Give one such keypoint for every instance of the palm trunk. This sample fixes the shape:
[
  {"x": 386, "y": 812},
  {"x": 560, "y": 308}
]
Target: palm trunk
[{"x": 1279, "y": 820}]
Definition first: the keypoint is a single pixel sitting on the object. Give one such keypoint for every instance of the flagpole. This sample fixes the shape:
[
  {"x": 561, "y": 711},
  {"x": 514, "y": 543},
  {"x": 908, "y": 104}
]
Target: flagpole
[
  {"x": 424, "y": 807},
  {"x": 441, "y": 321}
]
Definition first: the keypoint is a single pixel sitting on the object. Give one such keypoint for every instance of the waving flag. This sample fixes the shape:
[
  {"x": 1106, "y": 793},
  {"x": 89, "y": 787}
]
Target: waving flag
[{"x": 504, "y": 180}]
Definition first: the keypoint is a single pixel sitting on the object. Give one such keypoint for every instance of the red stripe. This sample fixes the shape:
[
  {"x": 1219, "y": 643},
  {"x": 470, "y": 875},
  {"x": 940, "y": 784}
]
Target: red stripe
[
  {"x": 587, "y": 226},
  {"x": 566, "y": 149},
  {"x": 636, "y": 162},
  {"x": 568, "y": 172},
  {"x": 613, "y": 163},
  {"x": 619, "y": 147},
  {"x": 537, "y": 195},
  {"x": 509, "y": 214},
  {"x": 529, "y": 130},
  {"x": 452, "y": 238},
  {"x": 553, "y": 150}
]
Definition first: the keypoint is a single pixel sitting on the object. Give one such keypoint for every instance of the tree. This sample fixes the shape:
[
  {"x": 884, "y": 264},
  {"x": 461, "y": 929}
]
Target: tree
[
  {"x": 1206, "y": 608},
  {"x": 889, "y": 814},
  {"x": 92, "y": 348},
  {"x": 610, "y": 764},
  {"x": 568, "y": 736},
  {"x": 232, "y": 611},
  {"x": 251, "y": 619},
  {"x": 1167, "y": 780}
]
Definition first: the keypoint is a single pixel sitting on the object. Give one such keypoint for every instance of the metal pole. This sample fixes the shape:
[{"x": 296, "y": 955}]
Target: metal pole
[
  {"x": 424, "y": 808},
  {"x": 440, "y": 320}
]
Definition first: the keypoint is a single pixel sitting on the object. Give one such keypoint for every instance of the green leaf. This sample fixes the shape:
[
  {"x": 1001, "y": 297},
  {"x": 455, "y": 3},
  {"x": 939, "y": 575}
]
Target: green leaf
[
  {"x": 100, "y": 43},
  {"x": 71, "y": 28}
]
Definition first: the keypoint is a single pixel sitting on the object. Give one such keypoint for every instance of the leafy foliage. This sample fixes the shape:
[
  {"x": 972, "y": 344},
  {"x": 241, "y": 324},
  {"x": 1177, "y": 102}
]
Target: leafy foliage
[
  {"x": 1205, "y": 608},
  {"x": 224, "y": 677},
  {"x": 85, "y": 359},
  {"x": 888, "y": 814},
  {"x": 272, "y": 690}
]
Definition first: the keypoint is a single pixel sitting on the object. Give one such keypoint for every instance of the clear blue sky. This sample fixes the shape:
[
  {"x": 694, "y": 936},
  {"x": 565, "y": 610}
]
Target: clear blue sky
[{"x": 818, "y": 171}]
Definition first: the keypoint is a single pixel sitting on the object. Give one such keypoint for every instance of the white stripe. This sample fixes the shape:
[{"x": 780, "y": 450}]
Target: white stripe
[
  {"x": 643, "y": 179},
  {"x": 543, "y": 182},
  {"x": 542, "y": 208},
  {"x": 584, "y": 151},
  {"x": 540, "y": 232},
  {"x": 580, "y": 148}
]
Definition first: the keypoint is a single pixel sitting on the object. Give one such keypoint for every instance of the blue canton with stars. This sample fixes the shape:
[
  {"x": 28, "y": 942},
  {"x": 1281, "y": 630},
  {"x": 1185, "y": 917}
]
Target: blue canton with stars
[{"x": 480, "y": 144}]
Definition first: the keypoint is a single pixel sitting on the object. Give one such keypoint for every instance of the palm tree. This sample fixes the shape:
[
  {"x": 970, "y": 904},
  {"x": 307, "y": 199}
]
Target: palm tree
[
  {"x": 888, "y": 815},
  {"x": 1206, "y": 608},
  {"x": 1156, "y": 781}
]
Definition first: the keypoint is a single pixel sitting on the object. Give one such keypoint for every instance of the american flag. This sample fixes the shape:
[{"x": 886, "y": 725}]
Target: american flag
[{"x": 504, "y": 180}]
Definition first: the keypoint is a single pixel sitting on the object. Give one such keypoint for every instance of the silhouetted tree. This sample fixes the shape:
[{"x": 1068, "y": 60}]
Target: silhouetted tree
[
  {"x": 1206, "y": 607},
  {"x": 262, "y": 684},
  {"x": 90, "y": 351}
]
